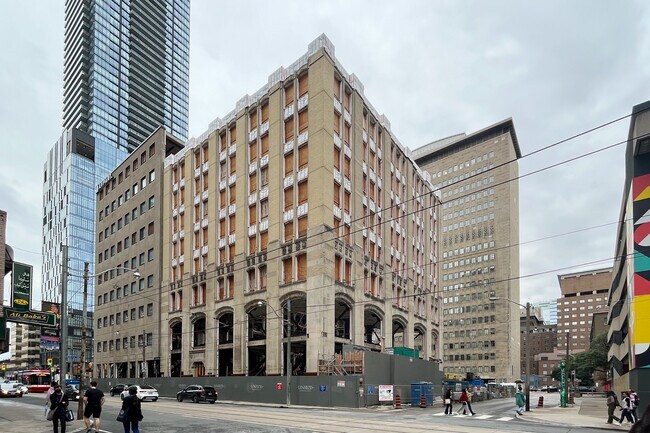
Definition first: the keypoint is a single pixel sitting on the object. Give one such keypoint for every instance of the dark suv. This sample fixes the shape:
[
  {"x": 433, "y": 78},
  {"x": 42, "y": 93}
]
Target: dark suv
[
  {"x": 117, "y": 389},
  {"x": 198, "y": 393}
]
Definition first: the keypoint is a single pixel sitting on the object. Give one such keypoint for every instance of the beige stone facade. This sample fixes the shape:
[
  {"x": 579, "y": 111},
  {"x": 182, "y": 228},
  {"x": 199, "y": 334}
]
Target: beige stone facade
[
  {"x": 298, "y": 211},
  {"x": 583, "y": 294},
  {"x": 127, "y": 307},
  {"x": 479, "y": 237}
]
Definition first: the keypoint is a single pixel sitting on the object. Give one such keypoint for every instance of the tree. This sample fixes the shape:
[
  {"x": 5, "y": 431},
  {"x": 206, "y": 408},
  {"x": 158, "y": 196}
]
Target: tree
[{"x": 586, "y": 363}]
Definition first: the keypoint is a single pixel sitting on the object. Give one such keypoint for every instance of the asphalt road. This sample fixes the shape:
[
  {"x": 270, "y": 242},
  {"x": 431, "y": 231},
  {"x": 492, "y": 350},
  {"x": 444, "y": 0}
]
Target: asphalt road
[{"x": 169, "y": 416}]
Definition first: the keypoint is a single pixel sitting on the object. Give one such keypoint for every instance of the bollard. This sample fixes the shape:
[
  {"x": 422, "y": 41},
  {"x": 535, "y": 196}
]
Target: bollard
[
  {"x": 398, "y": 402},
  {"x": 423, "y": 400},
  {"x": 540, "y": 402}
]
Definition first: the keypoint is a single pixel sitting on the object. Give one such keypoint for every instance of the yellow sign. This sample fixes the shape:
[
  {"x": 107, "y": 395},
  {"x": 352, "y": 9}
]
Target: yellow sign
[
  {"x": 4, "y": 367},
  {"x": 49, "y": 361}
]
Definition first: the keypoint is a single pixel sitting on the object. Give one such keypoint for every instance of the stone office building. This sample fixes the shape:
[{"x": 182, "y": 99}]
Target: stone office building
[
  {"x": 479, "y": 237},
  {"x": 127, "y": 323},
  {"x": 298, "y": 215}
]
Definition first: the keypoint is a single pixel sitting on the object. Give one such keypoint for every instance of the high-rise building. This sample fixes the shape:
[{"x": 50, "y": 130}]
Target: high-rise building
[
  {"x": 298, "y": 213},
  {"x": 125, "y": 74},
  {"x": 583, "y": 294},
  {"x": 479, "y": 238},
  {"x": 629, "y": 289},
  {"x": 549, "y": 311},
  {"x": 127, "y": 305}
]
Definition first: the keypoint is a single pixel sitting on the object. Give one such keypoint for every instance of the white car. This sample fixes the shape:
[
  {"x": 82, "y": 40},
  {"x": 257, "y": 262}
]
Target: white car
[
  {"x": 144, "y": 392},
  {"x": 23, "y": 388}
]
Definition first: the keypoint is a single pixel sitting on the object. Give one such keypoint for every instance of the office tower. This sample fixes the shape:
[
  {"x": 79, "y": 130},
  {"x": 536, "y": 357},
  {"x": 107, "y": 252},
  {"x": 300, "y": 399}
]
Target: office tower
[
  {"x": 583, "y": 294},
  {"x": 629, "y": 290},
  {"x": 125, "y": 74},
  {"x": 549, "y": 311},
  {"x": 299, "y": 212},
  {"x": 479, "y": 237},
  {"x": 127, "y": 305}
]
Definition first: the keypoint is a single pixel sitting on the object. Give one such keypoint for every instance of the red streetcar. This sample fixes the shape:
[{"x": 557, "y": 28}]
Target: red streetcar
[{"x": 36, "y": 380}]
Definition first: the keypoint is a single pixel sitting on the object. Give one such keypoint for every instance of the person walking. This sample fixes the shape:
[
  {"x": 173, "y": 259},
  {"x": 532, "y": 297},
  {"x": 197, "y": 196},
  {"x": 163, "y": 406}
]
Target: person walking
[
  {"x": 612, "y": 404},
  {"x": 634, "y": 399},
  {"x": 520, "y": 401},
  {"x": 59, "y": 404},
  {"x": 93, "y": 399},
  {"x": 464, "y": 399},
  {"x": 131, "y": 404},
  {"x": 50, "y": 391},
  {"x": 469, "y": 401},
  {"x": 449, "y": 407},
  {"x": 626, "y": 408}
]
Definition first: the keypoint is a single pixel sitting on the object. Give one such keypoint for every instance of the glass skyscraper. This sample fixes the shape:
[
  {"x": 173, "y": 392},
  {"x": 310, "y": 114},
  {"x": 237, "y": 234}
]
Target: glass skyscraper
[{"x": 126, "y": 72}]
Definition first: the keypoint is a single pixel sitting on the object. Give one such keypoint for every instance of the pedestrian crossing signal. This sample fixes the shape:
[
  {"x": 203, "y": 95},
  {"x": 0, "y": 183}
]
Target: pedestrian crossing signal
[{"x": 49, "y": 361}]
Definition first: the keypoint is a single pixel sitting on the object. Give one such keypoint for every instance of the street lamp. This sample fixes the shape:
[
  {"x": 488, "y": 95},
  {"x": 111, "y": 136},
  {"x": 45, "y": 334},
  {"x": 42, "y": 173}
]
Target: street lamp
[
  {"x": 527, "y": 307},
  {"x": 82, "y": 358},
  {"x": 288, "y": 352}
]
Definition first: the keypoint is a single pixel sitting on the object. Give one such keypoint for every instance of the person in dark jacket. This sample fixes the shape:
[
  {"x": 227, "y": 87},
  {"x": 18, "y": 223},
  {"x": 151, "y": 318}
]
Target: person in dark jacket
[
  {"x": 449, "y": 400},
  {"x": 59, "y": 404},
  {"x": 612, "y": 404},
  {"x": 134, "y": 415}
]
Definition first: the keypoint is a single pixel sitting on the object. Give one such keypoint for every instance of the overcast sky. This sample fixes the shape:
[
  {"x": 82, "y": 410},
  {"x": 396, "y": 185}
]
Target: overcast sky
[{"x": 434, "y": 68}]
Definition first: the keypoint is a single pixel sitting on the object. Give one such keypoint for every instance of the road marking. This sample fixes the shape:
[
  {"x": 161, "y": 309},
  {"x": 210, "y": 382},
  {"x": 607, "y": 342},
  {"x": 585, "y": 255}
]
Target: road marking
[
  {"x": 484, "y": 417},
  {"x": 439, "y": 414},
  {"x": 505, "y": 418}
]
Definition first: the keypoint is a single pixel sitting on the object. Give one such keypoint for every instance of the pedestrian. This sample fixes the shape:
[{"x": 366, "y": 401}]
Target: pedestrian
[
  {"x": 469, "y": 401},
  {"x": 50, "y": 391},
  {"x": 464, "y": 399},
  {"x": 643, "y": 426},
  {"x": 626, "y": 408},
  {"x": 520, "y": 401},
  {"x": 93, "y": 399},
  {"x": 131, "y": 404},
  {"x": 634, "y": 399},
  {"x": 449, "y": 408},
  {"x": 59, "y": 404},
  {"x": 612, "y": 404}
]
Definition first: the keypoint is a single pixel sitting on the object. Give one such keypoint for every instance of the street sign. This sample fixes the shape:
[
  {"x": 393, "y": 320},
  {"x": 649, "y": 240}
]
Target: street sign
[
  {"x": 30, "y": 317},
  {"x": 21, "y": 285}
]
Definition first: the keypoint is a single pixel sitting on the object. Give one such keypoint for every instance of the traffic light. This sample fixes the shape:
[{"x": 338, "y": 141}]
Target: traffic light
[
  {"x": 49, "y": 362},
  {"x": 4, "y": 367}
]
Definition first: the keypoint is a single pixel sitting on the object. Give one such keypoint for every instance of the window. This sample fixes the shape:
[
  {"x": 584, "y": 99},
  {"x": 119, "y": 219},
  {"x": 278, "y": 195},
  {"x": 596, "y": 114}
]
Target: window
[
  {"x": 301, "y": 261},
  {"x": 150, "y": 228},
  {"x": 141, "y": 311},
  {"x": 151, "y": 202},
  {"x": 150, "y": 281},
  {"x": 152, "y": 176},
  {"x": 150, "y": 255}
]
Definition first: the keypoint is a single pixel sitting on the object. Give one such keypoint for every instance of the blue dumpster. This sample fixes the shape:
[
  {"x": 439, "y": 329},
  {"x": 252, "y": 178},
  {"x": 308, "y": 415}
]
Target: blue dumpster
[{"x": 419, "y": 389}]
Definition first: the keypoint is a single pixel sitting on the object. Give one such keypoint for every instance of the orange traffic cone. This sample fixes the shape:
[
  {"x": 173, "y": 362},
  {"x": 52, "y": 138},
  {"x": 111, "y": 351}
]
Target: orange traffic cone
[
  {"x": 423, "y": 400},
  {"x": 398, "y": 402},
  {"x": 540, "y": 402}
]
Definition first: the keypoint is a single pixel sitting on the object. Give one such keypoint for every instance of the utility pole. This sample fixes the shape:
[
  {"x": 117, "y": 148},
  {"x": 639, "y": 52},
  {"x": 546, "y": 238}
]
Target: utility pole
[
  {"x": 82, "y": 359},
  {"x": 63, "y": 309},
  {"x": 289, "y": 352},
  {"x": 527, "y": 356}
]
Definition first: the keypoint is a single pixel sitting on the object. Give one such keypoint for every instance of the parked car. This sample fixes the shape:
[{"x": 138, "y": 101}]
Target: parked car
[
  {"x": 10, "y": 390},
  {"x": 197, "y": 393},
  {"x": 143, "y": 392},
  {"x": 583, "y": 388},
  {"x": 117, "y": 389},
  {"x": 552, "y": 388},
  {"x": 72, "y": 391}
]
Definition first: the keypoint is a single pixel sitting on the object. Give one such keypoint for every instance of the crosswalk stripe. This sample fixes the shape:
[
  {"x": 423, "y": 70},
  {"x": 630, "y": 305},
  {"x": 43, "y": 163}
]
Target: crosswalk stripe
[
  {"x": 484, "y": 417},
  {"x": 439, "y": 414},
  {"x": 505, "y": 418}
]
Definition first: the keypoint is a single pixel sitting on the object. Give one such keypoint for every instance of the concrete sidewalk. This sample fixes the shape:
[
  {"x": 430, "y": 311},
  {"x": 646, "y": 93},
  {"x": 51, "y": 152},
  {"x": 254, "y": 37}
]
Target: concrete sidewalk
[{"x": 586, "y": 412}]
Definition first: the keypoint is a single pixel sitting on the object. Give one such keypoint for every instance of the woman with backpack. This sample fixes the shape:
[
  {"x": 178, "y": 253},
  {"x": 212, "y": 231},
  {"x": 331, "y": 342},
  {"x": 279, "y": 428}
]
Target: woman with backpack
[{"x": 612, "y": 404}]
